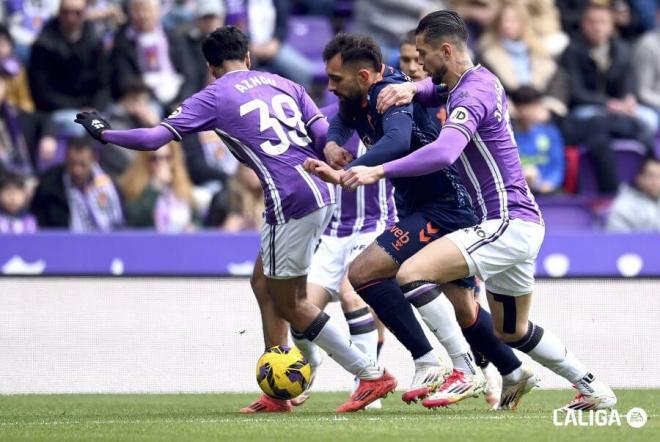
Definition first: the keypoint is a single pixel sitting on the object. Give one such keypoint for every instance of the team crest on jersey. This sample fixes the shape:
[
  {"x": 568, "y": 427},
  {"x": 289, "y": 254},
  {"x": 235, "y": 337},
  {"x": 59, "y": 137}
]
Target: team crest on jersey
[
  {"x": 459, "y": 115},
  {"x": 175, "y": 113}
]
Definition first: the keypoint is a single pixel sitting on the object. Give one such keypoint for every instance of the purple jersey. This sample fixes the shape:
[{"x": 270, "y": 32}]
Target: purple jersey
[
  {"x": 368, "y": 208},
  {"x": 263, "y": 118},
  {"x": 489, "y": 165}
]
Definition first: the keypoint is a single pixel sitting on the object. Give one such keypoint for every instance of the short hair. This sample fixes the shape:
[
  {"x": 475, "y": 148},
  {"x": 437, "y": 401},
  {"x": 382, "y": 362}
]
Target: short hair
[
  {"x": 82, "y": 142},
  {"x": 525, "y": 95},
  {"x": 443, "y": 24},
  {"x": 354, "y": 49},
  {"x": 11, "y": 179},
  {"x": 225, "y": 43},
  {"x": 408, "y": 38}
]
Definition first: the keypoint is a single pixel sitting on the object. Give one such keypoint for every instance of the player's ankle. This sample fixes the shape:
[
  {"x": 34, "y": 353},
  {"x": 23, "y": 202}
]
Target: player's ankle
[
  {"x": 427, "y": 359},
  {"x": 371, "y": 372}
]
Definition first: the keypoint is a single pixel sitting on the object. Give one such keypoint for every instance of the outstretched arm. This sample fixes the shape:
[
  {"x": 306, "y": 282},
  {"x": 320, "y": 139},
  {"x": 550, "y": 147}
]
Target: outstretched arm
[
  {"x": 395, "y": 142},
  {"x": 139, "y": 139},
  {"x": 430, "y": 158}
]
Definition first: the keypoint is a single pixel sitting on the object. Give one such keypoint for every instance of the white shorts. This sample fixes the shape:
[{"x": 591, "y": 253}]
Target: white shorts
[
  {"x": 502, "y": 252},
  {"x": 333, "y": 257},
  {"x": 287, "y": 249}
]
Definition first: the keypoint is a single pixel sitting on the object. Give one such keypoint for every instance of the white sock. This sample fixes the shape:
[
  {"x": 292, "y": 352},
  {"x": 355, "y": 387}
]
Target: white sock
[
  {"x": 362, "y": 327},
  {"x": 514, "y": 377},
  {"x": 310, "y": 350},
  {"x": 427, "y": 359},
  {"x": 551, "y": 352},
  {"x": 440, "y": 317},
  {"x": 340, "y": 348}
]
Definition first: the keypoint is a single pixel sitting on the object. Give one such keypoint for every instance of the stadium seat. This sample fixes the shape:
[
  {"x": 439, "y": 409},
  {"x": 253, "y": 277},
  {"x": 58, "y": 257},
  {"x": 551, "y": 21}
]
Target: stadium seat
[
  {"x": 309, "y": 35},
  {"x": 567, "y": 213},
  {"x": 629, "y": 159}
]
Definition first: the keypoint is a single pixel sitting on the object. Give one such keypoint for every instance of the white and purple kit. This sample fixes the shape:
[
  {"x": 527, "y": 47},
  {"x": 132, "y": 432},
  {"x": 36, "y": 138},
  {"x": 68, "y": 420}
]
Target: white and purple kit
[
  {"x": 478, "y": 139},
  {"x": 270, "y": 124},
  {"x": 358, "y": 219}
]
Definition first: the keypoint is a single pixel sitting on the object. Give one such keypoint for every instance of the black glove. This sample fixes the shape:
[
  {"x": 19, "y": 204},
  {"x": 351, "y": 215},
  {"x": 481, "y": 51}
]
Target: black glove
[{"x": 94, "y": 123}]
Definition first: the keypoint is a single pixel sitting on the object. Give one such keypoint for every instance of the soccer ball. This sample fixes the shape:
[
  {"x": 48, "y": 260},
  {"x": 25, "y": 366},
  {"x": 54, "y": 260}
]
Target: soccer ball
[{"x": 283, "y": 372}]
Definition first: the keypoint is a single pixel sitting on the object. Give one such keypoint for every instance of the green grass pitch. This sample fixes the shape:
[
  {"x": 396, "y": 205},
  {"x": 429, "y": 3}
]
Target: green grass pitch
[{"x": 202, "y": 417}]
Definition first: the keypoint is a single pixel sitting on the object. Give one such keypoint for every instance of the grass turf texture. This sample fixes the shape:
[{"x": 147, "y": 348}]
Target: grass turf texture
[{"x": 202, "y": 417}]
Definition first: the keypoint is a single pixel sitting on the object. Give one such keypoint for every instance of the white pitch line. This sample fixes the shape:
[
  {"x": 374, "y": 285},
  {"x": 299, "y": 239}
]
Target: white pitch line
[{"x": 239, "y": 419}]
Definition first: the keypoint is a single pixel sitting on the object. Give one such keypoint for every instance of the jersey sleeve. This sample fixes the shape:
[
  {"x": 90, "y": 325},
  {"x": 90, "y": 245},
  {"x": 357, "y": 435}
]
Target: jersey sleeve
[
  {"x": 309, "y": 109},
  {"x": 468, "y": 110},
  {"x": 196, "y": 114}
]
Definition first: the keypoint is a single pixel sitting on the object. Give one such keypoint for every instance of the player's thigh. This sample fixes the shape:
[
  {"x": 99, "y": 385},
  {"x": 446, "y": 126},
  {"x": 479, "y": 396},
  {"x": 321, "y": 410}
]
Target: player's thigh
[
  {"x": 258, "y": 282},
  {"x": 372, "y": 264},
  {"x": 441, "y": 262},
  {"x": 329, "y": 264},
  {"x": 510, "y": 315}
]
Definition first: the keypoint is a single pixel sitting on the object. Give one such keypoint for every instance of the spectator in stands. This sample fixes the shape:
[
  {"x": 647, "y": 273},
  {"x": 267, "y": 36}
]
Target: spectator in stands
[
  {"x": 18, "y": 89},
  {"x": 266, "y": 22},
  {"x": 26, "y": 19},
  {"x": 540, "y": 143},
  {"x": 629, "y": 21},
  {"x": 158, "y": 191},
  {"x": 78, "y": 195},
  {"x": 23, "y": 135},
  {"x": 240, "y": 206},
  {"x": 647, "y": 67},
  {"x": 132, "y": 110},
  {"x": 544, "y": 20},
  {"x": 478, "y": 15},
  {"x": 637, "y": 208},
  {"x": 107, "y": 16},
  {"x": 145, "y": 50},
  {"x": 386, "y": 21},
  {"x": 68, "y": 70},
  {"x": 513, "y": 51},
  {"x": 14, "y": 204},
  {"x": 209, "y": 16},
  {"x": 602, "y": 86}
]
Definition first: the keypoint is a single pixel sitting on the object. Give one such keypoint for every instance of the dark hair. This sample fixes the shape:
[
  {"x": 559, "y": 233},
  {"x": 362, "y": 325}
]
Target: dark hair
[
  {"x": 408, "y": 38},
  {"x": 354, "y": 49},
  {"x": 11, "y": 179},
  {"x": 225, "y": 43},
  {"x": 133, "y": 85},
  {"x": 525, "y": 95},
  {"x": 443, "y": 24},
  {"x": 4, "y": 32},
  {"x": 82, "y": 142}
]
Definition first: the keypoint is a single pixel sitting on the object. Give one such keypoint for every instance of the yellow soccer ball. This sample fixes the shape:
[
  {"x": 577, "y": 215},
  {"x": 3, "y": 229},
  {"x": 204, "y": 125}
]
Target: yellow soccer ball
[{"x": 283, "y": 372}]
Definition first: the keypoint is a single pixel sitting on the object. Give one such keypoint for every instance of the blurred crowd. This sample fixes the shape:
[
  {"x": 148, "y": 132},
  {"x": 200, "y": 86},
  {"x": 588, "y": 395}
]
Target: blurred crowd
[{"x": 583, "y": 79}]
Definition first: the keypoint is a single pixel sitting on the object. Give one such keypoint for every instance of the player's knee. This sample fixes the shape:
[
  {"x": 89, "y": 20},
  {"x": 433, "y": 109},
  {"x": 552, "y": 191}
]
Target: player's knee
[
  {"x": 466, "y": 314},
  {"x": 407, "y": 274},
  {"x": 511, "y": 335}
]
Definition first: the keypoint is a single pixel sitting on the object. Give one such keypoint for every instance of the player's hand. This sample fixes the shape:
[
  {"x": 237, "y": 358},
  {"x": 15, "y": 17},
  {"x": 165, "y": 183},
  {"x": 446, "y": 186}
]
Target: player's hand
[
  {"x": 361, "y": 176},
  {"x": 395, "y": 95},
  {"x": 322, "y": 170},
  {"x": 93, "y": 123},
  {"x": 337, "y": 156}
]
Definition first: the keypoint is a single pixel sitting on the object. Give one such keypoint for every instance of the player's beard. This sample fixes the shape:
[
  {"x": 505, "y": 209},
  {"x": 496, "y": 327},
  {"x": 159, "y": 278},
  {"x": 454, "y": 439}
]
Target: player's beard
[
  {"x": 350, "y": 107},
  {"x": 438, "y": 75}
]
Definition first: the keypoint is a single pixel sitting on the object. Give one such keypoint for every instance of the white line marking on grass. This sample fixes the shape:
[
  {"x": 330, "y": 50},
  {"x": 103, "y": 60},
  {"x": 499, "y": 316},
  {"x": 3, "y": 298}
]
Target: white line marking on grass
[{"x": 240, "y": 419}]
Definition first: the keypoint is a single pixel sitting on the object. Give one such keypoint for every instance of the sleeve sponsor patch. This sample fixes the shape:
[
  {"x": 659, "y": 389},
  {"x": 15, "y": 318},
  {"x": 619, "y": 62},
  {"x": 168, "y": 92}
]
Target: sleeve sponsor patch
[
  {"x": 175, "y": 113},
  {"x": 459, "y": 115}
]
